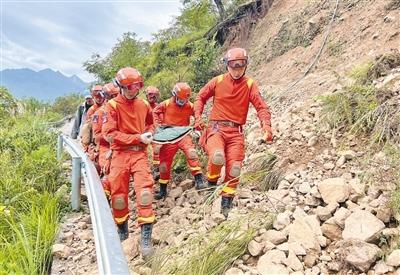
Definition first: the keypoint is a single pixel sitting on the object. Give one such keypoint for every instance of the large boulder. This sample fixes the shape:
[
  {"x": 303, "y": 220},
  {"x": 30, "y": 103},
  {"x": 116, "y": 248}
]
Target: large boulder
[
  {"x": 362, "y": 225},
  {"x": 334, "y": 190},
  {"x": 359, "y": 254},
  {"x": 302, "y": 232}
]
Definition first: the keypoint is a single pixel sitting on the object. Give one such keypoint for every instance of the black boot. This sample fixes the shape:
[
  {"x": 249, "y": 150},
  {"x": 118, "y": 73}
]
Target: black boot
[
  {"x": 146, "y": 247},
  {"x": 156, "y": 173},
  {"x": 211, "y": 186},
  {"x": 123, "y": 231},
  {"x": 226, "y": 205},
  {"x": 162, "y": 193},
  {"x": 199, "y": 181}
]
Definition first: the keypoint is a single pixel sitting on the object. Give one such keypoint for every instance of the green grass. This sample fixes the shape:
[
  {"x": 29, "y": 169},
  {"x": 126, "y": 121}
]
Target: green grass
[
  {"x": 29, "y": 178},
  {"x": 213, "y": 252}
]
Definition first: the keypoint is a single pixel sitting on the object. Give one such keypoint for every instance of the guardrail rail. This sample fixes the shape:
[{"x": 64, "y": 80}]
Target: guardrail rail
[{"x": 109, "y": 253}]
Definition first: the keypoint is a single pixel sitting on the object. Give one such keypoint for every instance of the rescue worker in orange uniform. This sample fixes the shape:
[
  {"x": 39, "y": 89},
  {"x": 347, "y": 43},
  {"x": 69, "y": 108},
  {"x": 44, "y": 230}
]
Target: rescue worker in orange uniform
[
  {"x": 128, "y": 126},
  {"x": 102, "y": 146},
  {"x": 223, "y": 139},
  {"x": 98, "y": 98},
  {"x": 176, "y": 111},
  {"x": 153, "y": 95}
]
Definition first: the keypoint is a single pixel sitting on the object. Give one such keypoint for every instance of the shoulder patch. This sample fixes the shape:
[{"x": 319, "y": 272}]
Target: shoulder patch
[
  {"x": 95, "y": 118},
  {"x": 220, "y": 78},
  {"x": 250, "y": 83},
  {"x": 113, "y": 103}
]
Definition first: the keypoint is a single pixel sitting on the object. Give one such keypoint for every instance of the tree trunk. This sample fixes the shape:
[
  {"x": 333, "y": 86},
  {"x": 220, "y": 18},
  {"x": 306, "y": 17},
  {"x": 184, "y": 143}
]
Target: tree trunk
[{"x": 221, "y": 9}]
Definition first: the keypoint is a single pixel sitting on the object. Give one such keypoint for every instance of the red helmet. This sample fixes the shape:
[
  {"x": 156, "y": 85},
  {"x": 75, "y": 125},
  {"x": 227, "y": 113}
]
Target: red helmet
[
  {"x": 151, "y": 90},
  {"x": 182, "y": 91},
  {"x": 236, "y": 58},
  {"x": 126, "y": 77},
  {"x": 110, "y": 90},
  {"x": 97, "y": 93}
]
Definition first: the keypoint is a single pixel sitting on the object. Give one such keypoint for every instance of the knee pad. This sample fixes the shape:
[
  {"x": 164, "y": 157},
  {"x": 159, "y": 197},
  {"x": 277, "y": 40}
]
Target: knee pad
[
  {"x": 146, "y": 197},
  {"x": 163, "y": 167},
  {"x": 218, "y": 158},
  {"x": 193, "y": 154},
  {"x": 119, "y": 203},
  {"x": 235, "y": 170}
]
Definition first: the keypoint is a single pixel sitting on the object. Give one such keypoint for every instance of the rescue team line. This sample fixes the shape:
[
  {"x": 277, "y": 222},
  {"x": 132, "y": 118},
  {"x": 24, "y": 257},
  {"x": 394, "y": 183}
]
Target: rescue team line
[{"x": 119, "y": 126}]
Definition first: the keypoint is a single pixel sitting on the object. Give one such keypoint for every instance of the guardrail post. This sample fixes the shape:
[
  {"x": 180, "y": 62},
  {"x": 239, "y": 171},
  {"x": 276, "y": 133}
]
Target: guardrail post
[
  {"x": 76, "y": 183},
  {"x": 59, "y": 147}
]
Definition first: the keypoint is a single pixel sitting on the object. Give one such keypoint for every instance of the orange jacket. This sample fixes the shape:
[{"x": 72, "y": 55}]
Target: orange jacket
[
  {"x": 97, "y": 123},
  {"x": 169, "y": 113},
  {"x": 91, "y": 112},
  {"x": 231, "y": 100},
  {"x": 125, "y": 120}
]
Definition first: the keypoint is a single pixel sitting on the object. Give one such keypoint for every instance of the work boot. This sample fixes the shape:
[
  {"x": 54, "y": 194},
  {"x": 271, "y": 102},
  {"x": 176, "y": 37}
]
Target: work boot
[
  {"x": 156, "y": 172},
  {"x": 162, "y": 193},
  {"x": 199, "y": 181},
  {"x": 226, "y": 205},
  {"x": 123, "y": 231},
  {"x": 146, "y": 247}
]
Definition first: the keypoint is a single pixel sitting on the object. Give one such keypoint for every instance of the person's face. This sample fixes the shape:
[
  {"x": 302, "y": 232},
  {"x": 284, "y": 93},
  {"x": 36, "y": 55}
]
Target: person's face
[
  {"x": 89, "y": 101},
  {"x": 237, "y": 68},
  {"x": 131, "y": 91},
  {"x": 152, "y": 98}
]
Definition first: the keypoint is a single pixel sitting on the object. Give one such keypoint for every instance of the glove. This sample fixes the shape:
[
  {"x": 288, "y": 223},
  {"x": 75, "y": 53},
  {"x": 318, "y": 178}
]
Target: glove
[
  {"x": 268, "y": 136},
  {"x": 196, "y": 134},
  {"x": 199, "y": 125},
  {"x": 146, "y": 138}
]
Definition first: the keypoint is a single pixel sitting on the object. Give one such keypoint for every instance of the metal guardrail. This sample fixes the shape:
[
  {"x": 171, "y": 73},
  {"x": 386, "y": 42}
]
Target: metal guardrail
[{"x": 109, "y": 253}]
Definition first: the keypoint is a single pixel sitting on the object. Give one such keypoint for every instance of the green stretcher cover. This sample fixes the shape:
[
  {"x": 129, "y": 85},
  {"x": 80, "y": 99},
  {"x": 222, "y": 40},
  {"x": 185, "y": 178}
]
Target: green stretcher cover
[{"x": 171, "y": 134}]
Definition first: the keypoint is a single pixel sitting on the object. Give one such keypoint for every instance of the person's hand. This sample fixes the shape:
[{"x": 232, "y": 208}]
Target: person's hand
[
  {"x": 199, "y": 125},
  {"x": 268, "y": 136},
  {"x": 196, "y": 134},
  {"x": 146, "y": 138}
]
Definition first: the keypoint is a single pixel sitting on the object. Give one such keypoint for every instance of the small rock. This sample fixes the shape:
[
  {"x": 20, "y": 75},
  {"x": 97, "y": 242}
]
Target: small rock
[
  {"x": 234, "y": 271},
  {"x": 329, "y": 166},
  {"x": 381, "y": 268},
  {"x": 394, "y": 258},
  {"x": 341, "y": 215},
  {"x": 331, "y": 231},
  {"x": 61, "y": 251},
  {"x": 297, "y": 248},
  {"x": 245, "y": 193},
  {"x": 275, "y": 237},
  {"x": 255, "y": 248},
  {"x": 85, "y": 235},
  {"x": 176, "y": 192},
  {"x": 341, "y": 161},
  {"x": 82, "y": 225},
  {"x": 186, "y": 184},
  {"x": 312, "y": 141},
  {"x": 304, "y": 188},
  {"x": 282, "y": 220},
  {"x": 293, "y": 262},
  {"x": 310, "y": 259},
  {"x": 218, "y": 217},
  {"x": 334, "y": 190}
]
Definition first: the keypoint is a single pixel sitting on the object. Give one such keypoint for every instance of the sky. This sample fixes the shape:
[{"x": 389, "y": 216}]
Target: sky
[{"x": 61, "y": 35}]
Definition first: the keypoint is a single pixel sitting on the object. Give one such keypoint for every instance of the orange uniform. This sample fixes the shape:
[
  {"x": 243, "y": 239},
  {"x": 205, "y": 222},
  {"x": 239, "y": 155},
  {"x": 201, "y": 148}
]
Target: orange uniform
[
  {"x": 123, "y": 122},
  {"x": 223, "y": 140},
  {"x": 102, "y": 147},
  {"x": 91, "y": 149},
  {"x": 156, "y": 147},
  {"x": 169, "y": 113}
]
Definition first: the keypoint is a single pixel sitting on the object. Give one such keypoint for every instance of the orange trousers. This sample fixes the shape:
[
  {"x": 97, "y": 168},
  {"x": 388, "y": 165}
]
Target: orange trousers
[
  {"x": 156, "y": 154},
  {"x": 224, "y": 145},
  {"x": 104, "y": 162},
  {"x": 167, "y": 154},
  {"x": 124, "y": 164}
]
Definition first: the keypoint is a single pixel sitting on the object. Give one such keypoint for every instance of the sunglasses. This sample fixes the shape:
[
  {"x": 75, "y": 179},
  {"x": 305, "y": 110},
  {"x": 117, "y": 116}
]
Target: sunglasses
[{"x": 240, "y": 63}]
